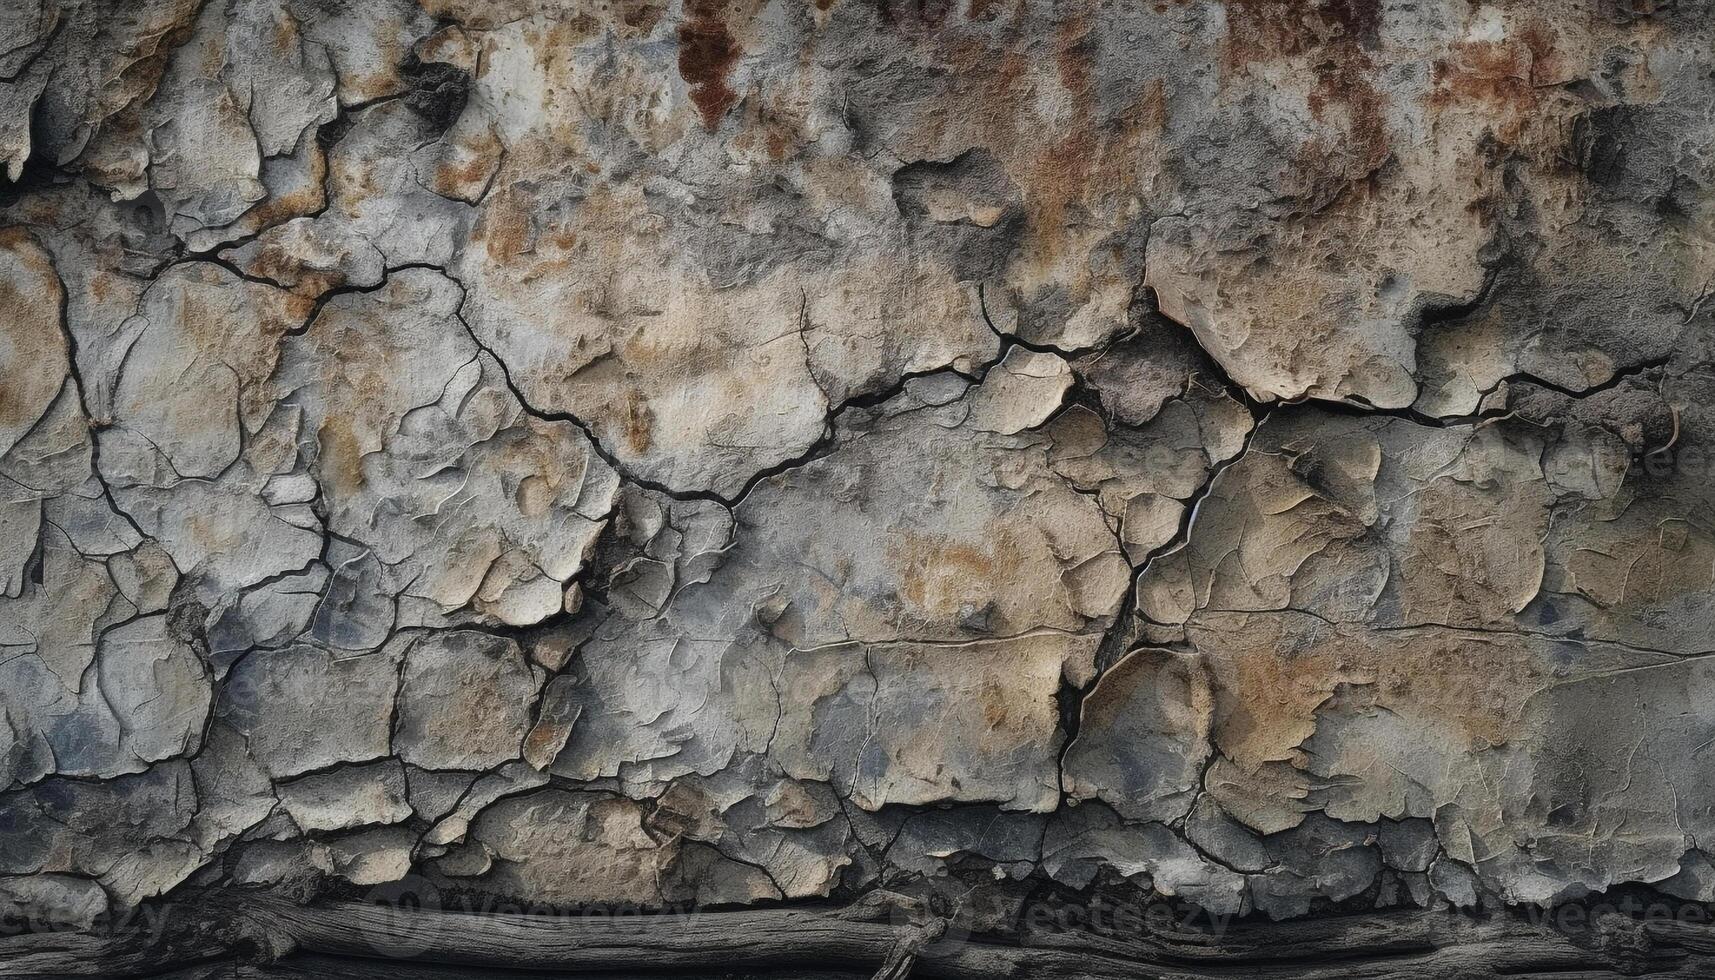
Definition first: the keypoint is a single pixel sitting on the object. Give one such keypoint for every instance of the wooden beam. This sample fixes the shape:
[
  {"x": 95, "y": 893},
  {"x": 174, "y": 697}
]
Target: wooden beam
[{"x": 237, "y": 935}]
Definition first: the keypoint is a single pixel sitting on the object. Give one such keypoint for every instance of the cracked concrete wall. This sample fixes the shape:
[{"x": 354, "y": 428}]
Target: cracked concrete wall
[{"x": 658, "y": 452}]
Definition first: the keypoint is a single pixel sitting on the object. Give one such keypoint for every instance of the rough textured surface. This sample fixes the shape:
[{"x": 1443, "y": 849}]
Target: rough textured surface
[{"x": 1252, "y": 454}]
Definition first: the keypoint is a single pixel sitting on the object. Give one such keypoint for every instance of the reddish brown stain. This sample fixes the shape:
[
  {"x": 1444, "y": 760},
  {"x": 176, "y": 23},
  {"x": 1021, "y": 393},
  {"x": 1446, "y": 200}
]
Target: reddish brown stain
[
  {"x": 937, "y": 574},
  {"x": 638, "y": 422},
  {"x": 1339, "y": 35},
  {"x": 996, "y": 701},
  {"x": 1359, "y": 19},
  {"x": 1152, "y": 109},
  {"x": 543, "y": 738},
  {"x": 777, "y": 145},
  {"x": 451, "y": 177},
  {"x": 32, "y": 300},
  {"x": 504, "y": 227},
  {"x": 641, "y": 16},
  {"x": 1066, "y": 168},
  {"x": 707, "y": 53},
  {"x": 1267, "y": 30},
  {"x": 1484, "y": 71},
  {"x": 1072, "y": 57},
  {"x": 1345, "y": 82}
]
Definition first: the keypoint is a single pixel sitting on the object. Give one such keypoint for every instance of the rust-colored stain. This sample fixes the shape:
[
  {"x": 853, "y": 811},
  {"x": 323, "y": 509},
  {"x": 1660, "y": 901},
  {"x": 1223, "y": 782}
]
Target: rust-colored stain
[
  {"x": 707, "y": 52},
  {"x": 1360, "y": 19},
  {"x": 542, "y": 738},
  {"x": 1265, "y": 691},
  {"x": 937, "y": 573},
  {"x": 342, "y": 455},
  {"x": 504, "y": 227},
  {"x": 35, "y": 343},
  {"x": 1266, "y": 30},
  {"x": 1151, "y": 112},
  {"x": 778, "y": 144},
  {"x": 1345, "y": 82},
  {"x": 996, "y": 702},
  {"x": 452, "y": 177},
  {"x": 641, "y": 15},
  {"x": 1483, "y": 71},
  {"x": 638, "y": 421}
]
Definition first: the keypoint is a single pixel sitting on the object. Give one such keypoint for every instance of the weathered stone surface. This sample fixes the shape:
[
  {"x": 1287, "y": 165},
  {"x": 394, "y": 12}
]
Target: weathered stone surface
[
  {"x": 464, "y": 701},
  {"x": 566, "y": 848},
  {"x": 341, "y": 799},
  {"x": 1145, "y": 736},
  {"x": 1255, "y": 454},
  {"x": 301, "y": 708}
]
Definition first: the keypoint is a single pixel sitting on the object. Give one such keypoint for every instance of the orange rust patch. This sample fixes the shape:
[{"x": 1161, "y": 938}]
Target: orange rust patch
[
  {"x": 707, "y": 52},
  {"x": 1072, "y": 58},
  {"x": 1259, "y": 30},
  {"x": 766, "y": 130},
  {"x": 277, "y": 263},
  {"x": 937, "y": 572},
  {"x": 297, "y": 308},
  {"x": 451, "y": 177},
  {"x": 1538, "y": 38},
  {"x": 300, "y": 201}
]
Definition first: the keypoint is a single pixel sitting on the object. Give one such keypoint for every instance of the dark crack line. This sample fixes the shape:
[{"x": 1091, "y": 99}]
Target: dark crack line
[{"x": 824, "y": 444}]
